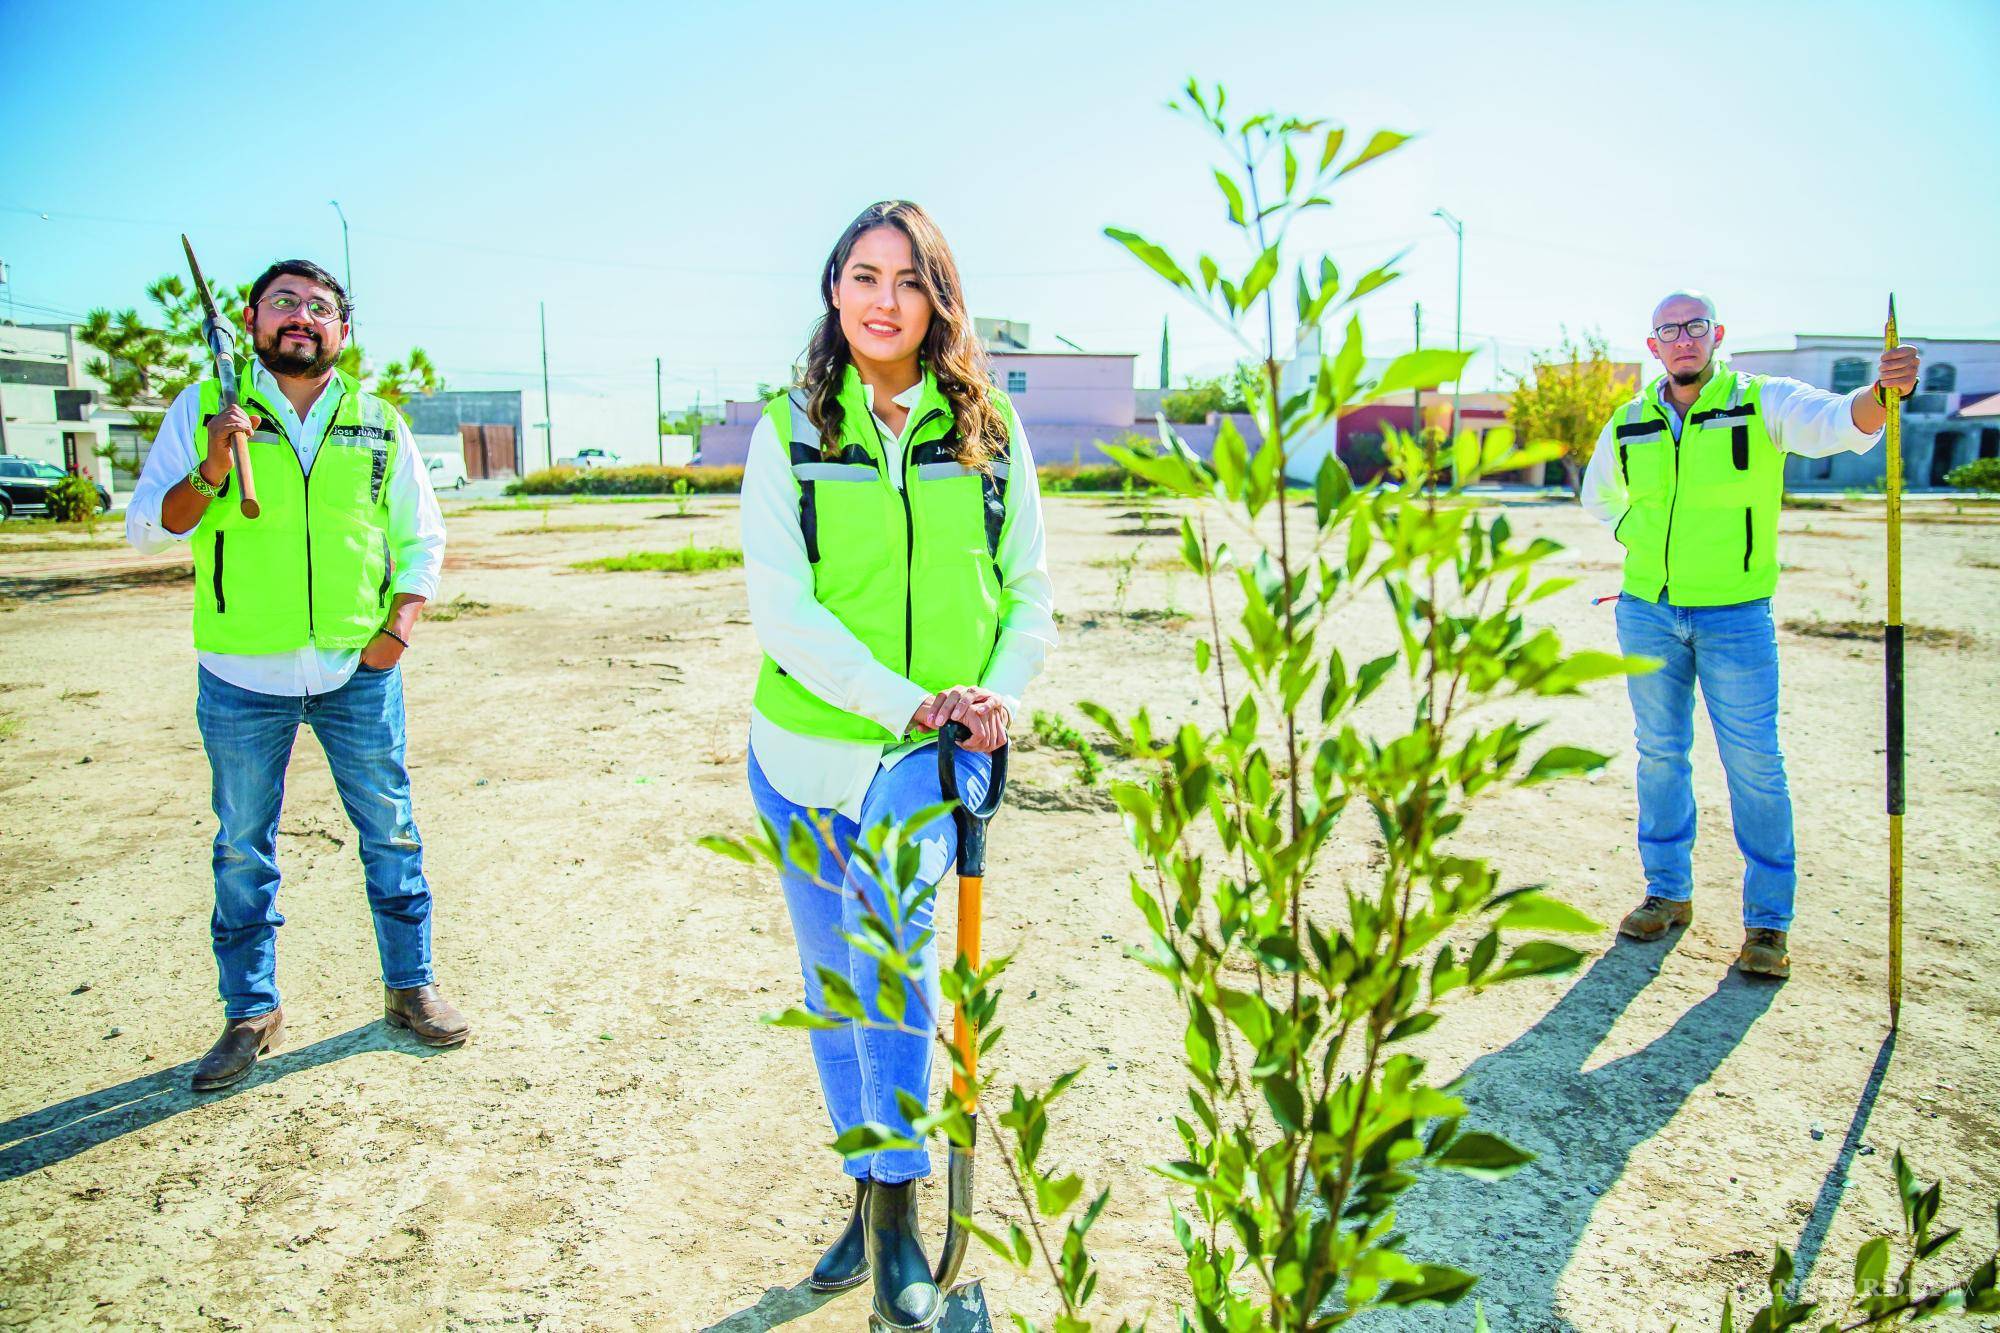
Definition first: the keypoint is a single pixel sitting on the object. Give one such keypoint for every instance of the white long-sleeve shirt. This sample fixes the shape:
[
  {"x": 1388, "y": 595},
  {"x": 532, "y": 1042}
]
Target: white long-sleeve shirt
[
  {"x": 416, "y": 528},
  {"x": 1799, "y": 419},
  {"x": 811, "y": 643}
]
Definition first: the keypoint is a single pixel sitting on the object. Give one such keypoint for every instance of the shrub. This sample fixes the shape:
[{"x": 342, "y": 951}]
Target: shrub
[
  {"x": 689, "y": 559},
  {"x": 1060, "y": 477},
  {"x": 74, "y": 499},
  {"x": 1981, "y": 474},
  {"x": 1054, "y": 732},
  {"x": 645, "y": 479}
]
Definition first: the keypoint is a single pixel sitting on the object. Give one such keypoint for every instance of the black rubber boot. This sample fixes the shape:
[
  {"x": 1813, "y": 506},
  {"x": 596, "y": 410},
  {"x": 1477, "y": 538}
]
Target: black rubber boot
[
  {"x": 906, "y": 1295},
  {"x": 845, "y": 1263}
]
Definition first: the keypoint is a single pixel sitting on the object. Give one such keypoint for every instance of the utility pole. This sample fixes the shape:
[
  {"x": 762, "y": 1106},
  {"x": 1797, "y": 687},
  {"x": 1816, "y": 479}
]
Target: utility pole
[
  {"x": 1417, "y": 393},
  {"x": 659, "y": 415},
  {"x": 346, "y": 256},
  {"x": 548, "y": 416},
  {"x": 1458, "y": 313}
]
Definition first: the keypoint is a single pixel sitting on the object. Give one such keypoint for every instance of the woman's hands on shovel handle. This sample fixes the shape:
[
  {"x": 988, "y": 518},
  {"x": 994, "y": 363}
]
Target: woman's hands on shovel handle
[{"x": 980, "y": 710}]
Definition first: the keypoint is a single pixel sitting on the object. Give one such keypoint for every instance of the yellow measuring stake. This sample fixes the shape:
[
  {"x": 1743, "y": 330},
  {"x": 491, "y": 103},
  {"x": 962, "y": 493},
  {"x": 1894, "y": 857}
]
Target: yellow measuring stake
[{"x": 1892, "y": 663}]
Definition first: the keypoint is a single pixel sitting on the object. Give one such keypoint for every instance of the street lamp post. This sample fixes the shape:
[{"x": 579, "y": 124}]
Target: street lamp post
[
  {"x": 1458, "y": 311},
  {"x": 346, "y": 257}
]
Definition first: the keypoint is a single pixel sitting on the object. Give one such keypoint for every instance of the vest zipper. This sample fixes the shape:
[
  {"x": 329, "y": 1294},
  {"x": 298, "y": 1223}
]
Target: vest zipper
[
  {"x": 305, "y": 501},
  {"x": 1667, "y": 548},
  {"x": 909, "y": 534},
  {"x": 219, "y": 606}
]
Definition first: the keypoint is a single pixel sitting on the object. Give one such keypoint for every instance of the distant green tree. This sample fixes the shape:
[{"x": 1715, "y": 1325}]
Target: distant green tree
[
  {"x": 1567, "y": 395},
  {"x": 1192, "y": 403},
  {"x": 147, "y": 360}
]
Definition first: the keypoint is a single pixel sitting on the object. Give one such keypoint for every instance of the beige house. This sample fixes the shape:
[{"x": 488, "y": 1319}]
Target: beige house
[{"x": 52, "y": 409}]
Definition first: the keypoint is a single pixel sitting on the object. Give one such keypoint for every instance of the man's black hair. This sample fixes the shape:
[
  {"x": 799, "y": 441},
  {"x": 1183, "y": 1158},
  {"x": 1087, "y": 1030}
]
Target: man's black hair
[{"x": 301, "y": 268}]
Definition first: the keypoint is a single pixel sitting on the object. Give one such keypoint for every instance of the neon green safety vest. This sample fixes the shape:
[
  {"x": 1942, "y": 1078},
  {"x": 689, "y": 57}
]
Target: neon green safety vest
[
  {"x": 911, "y": 572},
  {"x": 1702, "y": 526},
  {"x": 313, "y": 566}
]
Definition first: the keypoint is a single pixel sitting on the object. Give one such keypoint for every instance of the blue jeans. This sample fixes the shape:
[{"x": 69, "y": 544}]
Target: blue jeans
[
  {"x": 861, "y": 1069},
  {"x": 1732, "y": 651},
  {"x": 249, "y": 738}
]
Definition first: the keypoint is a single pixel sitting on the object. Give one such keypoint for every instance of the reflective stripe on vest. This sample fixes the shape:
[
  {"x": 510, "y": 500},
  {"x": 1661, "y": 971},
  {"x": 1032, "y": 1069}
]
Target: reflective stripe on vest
[
  {"x": 911, "y": 571},
  {"x": 1700, "y": 528},
  {"x": 314, "y": 566}
]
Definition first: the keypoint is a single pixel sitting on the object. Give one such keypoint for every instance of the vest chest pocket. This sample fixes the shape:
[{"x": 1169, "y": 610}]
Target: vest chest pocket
[
  {"x": 1644, "y": 458},
  {"x": 1736, "y": 422}
]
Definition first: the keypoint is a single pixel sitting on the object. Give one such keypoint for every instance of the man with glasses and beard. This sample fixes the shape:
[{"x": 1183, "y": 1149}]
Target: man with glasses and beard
[
  {"x": 1691, "y": 475},
  {"x": 301, "y": 615}
]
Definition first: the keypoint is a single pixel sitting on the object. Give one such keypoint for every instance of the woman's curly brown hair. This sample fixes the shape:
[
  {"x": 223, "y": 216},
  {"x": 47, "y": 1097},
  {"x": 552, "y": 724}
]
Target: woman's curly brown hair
[{"x": 951, "y": 350}]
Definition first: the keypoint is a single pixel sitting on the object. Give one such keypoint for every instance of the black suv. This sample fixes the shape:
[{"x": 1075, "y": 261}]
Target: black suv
[{"x": 24, "y": 486}]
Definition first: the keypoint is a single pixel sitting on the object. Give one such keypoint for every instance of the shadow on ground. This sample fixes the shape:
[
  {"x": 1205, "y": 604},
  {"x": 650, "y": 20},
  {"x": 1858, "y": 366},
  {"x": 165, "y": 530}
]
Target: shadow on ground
[
  {"x": 1520, "y": 1233},
  {"x": 60, "y": 1132}
]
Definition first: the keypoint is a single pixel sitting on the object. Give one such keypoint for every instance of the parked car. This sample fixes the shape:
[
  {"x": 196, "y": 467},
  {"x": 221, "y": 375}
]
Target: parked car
[
  {"x": 24, "y": 486},
  {"x": 446, "y": 470},
  {"x": 589, "y": 458}
]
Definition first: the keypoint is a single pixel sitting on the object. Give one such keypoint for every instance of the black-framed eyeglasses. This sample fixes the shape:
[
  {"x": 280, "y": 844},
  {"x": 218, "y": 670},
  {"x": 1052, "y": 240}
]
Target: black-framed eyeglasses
[
  {"x": 1694, "y": 328},
  {"x": 321, "y": 312}
]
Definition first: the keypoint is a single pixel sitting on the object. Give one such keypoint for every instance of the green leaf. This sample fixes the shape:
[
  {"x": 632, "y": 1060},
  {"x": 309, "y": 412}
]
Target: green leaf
[
  {"x": 1232, "y": 193},
  {"x": 1871, "y": 1265},
  {"x": 801, "y": 1018},
  {"x": 1332, "y": 149},
  {"x": 1152, "y": 256},
  {"x": 1424, "y": 369},
  {"x": 1445, "y": 1285},
  {"x": 1260, "y": 276},
  {"x": 1201, "y": 654},
  {"x": 1562, "y": 761},
  {"x": 729, "y": 847},
  {"x": 1483, "y": 1156},
  {"x": 1384, "y": 141},
  {"x": 1533, "y": 911},
  {"x": 1538, "y": 958}
]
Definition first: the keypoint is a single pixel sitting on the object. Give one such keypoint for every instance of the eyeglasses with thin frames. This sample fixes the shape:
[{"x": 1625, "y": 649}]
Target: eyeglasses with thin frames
[
  {"x": 1695, "y": 328},
  {"x": 320, "y": 312}
]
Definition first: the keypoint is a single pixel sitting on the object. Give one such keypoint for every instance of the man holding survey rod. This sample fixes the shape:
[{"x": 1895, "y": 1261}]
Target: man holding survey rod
[
  {"x": 1690, "y": 477},
  {"x": 304, "y": 606}
]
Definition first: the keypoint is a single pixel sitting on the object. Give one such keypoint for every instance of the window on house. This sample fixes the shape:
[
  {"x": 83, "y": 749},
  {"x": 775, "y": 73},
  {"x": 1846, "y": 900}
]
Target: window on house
[
  {"x": 1849, "y": 373},
  {"x": 1017, "y": 381},
  {"x": 1940, "y": 378}
]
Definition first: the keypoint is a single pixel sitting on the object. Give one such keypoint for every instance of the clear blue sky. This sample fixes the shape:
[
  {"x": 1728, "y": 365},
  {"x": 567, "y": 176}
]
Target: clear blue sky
[{"x": 669, "y": 177}]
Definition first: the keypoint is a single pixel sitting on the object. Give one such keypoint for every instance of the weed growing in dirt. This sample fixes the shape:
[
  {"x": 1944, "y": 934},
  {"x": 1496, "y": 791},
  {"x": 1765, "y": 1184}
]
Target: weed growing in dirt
[
  {"x": 1882, "y": 1300},
  {"x": 545, "y": 527},
  {"x": 462, "y": 607},
  {"x": 1870, "y": 631},
  {"x": 1122, "y": 569},
  {"x": 689, "y": 559},
  {"x": 1054, "y": 732}
]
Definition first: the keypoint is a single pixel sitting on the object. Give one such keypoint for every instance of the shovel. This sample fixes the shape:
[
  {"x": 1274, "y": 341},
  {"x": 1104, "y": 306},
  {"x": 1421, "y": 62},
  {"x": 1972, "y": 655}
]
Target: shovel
[{"x": 964, "y": 1309}]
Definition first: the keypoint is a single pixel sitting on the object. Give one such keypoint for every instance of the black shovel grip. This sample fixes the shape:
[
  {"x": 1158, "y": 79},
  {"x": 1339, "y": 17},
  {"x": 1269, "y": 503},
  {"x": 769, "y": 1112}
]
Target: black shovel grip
[{"x": 971, "y": 819}]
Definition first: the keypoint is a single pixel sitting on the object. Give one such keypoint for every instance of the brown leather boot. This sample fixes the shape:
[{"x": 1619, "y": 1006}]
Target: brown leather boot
[
  {"x": 430, "y": 1017},
  {"x": 235, "y": 1052},
  {"x": 1764, "y": 954},
  {"x": 1655, "y": 917}
]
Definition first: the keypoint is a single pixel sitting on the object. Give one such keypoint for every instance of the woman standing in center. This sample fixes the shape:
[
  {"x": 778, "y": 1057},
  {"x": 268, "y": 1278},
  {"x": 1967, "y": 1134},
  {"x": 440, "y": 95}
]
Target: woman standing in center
[{"x": 897, "y": 570}]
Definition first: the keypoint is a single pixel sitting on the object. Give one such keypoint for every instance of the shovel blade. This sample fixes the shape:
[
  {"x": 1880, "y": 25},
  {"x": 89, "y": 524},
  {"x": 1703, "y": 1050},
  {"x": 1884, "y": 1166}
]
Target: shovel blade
[{"x": 965, "y": 1311}]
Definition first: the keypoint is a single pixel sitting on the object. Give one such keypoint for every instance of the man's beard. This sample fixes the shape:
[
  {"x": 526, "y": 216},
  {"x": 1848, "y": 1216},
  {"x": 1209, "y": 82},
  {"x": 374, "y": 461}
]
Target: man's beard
[
  {"x": 1688, "y": 378},
  {"x": 282, "y": 360}
]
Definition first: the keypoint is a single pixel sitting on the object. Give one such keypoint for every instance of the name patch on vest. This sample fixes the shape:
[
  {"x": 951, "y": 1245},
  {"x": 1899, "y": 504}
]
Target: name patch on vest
[{"x": 360, "y": 433}]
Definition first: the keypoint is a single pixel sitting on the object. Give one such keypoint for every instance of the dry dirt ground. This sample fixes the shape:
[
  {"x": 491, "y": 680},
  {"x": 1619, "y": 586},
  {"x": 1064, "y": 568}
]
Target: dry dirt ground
[{"x": 625, "y": 1146}]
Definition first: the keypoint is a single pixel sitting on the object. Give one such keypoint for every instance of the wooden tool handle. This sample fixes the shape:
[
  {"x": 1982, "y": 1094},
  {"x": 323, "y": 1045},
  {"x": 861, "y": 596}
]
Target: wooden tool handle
[{"x": 246, "y": 484}]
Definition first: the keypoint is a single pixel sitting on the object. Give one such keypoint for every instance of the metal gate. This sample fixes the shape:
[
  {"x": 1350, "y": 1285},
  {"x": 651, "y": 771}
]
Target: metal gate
[{"x": 489, "y": 450}]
